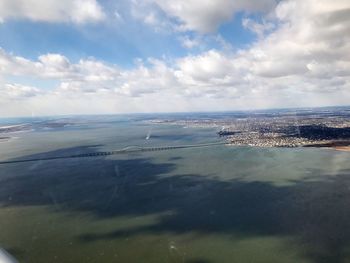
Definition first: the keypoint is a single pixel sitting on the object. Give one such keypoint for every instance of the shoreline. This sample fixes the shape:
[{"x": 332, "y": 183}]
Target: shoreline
[{"x": 342, "y": 148}]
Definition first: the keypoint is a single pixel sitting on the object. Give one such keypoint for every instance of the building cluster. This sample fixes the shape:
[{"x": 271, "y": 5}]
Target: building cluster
[
  {"x": 285, "y": 129},
  {"x": 269, "y": 140}
]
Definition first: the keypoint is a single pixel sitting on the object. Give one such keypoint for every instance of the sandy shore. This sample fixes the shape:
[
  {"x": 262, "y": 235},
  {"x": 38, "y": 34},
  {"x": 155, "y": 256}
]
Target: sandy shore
[{"x": 342, "y": 148}]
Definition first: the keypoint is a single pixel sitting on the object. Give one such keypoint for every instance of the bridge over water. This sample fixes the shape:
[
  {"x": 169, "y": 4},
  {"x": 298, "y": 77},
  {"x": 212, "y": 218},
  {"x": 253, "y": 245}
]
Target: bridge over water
[{"x": 126, "y": 150}]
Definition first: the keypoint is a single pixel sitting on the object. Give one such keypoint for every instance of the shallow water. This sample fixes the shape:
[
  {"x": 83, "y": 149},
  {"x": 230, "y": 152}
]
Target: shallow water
[{"x": 210, "y": 204}]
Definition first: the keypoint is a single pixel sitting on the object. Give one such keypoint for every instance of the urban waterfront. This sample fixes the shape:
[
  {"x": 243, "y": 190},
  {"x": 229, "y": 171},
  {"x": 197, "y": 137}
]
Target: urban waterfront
[{"x": 208, "y": 204}]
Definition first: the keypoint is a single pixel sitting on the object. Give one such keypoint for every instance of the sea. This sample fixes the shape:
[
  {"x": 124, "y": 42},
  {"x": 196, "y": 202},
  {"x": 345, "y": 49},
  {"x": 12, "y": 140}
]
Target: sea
[{"x": 218, "y": 203}]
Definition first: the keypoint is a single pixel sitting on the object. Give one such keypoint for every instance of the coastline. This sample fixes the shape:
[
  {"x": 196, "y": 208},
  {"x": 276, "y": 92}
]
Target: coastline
[{"x": 342, "y": 148}]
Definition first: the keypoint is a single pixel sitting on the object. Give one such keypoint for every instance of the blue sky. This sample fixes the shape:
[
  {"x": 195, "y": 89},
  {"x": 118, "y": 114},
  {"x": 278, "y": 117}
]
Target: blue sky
[
  {"x": 119, "y": 42},
  {"x": 121, "y": 56}
]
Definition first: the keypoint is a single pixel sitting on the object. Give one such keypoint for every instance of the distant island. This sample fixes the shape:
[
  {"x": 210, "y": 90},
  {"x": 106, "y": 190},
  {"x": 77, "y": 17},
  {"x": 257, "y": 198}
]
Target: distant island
[{"x": 8, "y": 131}]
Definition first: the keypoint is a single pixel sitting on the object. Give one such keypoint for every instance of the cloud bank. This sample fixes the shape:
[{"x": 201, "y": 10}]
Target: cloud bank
[
  {"x": 75, "y": 11},
  {"x": 300, "y": 58},
  {"x": 206, "y": 15}
]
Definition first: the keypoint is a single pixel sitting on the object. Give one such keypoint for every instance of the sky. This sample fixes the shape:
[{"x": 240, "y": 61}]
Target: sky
[{"x": 124, "y": 56}]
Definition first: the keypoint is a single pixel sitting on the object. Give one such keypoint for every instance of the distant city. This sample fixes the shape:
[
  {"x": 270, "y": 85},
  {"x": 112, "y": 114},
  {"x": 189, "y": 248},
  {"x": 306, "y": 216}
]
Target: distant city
[{"x": 319, "y": 127}]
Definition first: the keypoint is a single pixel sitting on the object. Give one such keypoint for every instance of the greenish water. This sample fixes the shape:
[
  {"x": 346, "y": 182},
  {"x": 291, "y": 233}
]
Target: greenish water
[{"x": 211, "y": 204}]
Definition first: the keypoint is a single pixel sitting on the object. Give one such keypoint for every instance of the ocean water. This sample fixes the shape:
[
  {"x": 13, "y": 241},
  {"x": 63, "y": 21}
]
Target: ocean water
[{"x": 209, "y": 204}]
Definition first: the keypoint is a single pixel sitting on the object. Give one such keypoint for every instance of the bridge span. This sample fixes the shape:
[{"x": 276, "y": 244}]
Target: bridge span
[{"x": 125, "y": 150}]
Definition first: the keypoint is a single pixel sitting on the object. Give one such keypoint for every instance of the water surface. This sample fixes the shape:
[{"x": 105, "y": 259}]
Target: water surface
[{"x": 210, "y": 204}]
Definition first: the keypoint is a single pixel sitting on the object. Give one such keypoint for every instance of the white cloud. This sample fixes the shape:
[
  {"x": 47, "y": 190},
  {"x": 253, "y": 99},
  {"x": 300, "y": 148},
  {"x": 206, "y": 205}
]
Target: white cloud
[
  {"x": 17, "y": 91},
  {"x": 258, "y": 28},
  {"x": 308, "y": 38},
  {"x": 147, "y": 12},
  {"x": 56, "y": 66},
  {"x": 188, "y": 42},
  {"x": 205, "y": 67},
  {"x": 118, "y": 16},
  {"x": 206, "y": 15},
  {"x": 75, "y": 11}
]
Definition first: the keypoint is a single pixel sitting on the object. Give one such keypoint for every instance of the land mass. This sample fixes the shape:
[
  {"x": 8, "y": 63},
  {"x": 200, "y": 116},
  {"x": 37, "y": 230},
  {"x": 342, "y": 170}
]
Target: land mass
[{"x": 323, "y": 127}]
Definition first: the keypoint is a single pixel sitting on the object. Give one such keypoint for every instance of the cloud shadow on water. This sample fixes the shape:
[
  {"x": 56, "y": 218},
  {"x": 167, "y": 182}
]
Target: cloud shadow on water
[{"x": 315, "y": 212}]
